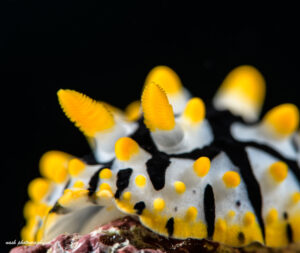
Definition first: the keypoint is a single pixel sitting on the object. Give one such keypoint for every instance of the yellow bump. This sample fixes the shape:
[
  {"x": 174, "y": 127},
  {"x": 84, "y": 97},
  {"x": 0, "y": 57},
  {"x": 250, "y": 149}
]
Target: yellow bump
[
  {"x": 125, "y": 148},
  {"x": 249, "y": 218},
  {"x": 42, "y": 209},
  {"x": 159, "y": 204},
  {"x": 29, "y": 210},
  {"x": 279, "y": 171},
  {"x": 166, "y": 78},
  {"x": 272, "y": 216},
  {"x": 104, "y": 186},
  {"x": 88, "y": 115},
  {"x": 158, "y": 113},
  {"x": 38, "y": 188},
  {"x": 53, "y": 165},
  {"x": 127, "y": 196},
  {"x": 231, "y": 179},
  {"x": 221, "y": 225},
  {"x": 247, "y": 82},
  {"x": 284, "y": 119},
  {"x": 75, "y": 167},
  {"x": 194, "y": 110},
  {"x": 191, "y": 213},
  {"x": 296, "y": 197},
  {"x": 105, "y": 194},
  {"x": 201, "y": 166},
  {"x": 230, "y": 214},
  {"x": 133, "y": 111},
  {"x": 179, "y": 187},
  {"x": 140, "y": 180},
  {"x": 78, "y": 184},
  {"x": 105, "y": 174},
  {"x": 71, "y": 195}
]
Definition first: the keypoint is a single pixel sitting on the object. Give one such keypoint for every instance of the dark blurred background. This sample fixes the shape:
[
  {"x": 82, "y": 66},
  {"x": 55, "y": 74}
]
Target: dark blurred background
[{"x": 105, "y": 50}]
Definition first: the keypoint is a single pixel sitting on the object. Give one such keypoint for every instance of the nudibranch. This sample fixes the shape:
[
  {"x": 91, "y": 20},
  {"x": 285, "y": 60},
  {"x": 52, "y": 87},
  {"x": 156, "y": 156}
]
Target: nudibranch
[{"x": 184, "y": 168}]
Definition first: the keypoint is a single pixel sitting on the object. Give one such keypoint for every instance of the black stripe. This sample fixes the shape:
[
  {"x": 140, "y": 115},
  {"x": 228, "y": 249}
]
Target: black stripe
[
  {"x": 289, "y": 233},
  {"x": 239, "y": 158},
  {"x": 170, "y": 226},
  {"x": 139, "y": 207},
  {"x": 156, "y": 168},
  {"x": 209, "y": 210},
  {"x": 94, "y": 182},
  {"x": 123, "y": 177}
]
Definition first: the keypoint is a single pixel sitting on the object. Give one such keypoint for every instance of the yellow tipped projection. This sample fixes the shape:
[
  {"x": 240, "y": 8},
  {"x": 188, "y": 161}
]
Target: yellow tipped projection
[
  {"x": 38, "y": 188},
  {"x": 158, "y": 113},
  {"x": 194, "y": 110},
  {"x": 246, "y": 81},
  {"x": 88, "y": 115},
  {"x": 54, "y": 164},
  {"x": 133, "y": 111},
  {"x": 284, "y": 119},
  {"x": 166, "y": 78},
  {"x": 125, "y": 147}
]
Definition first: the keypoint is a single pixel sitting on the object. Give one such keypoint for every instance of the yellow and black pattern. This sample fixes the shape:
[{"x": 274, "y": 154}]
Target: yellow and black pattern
[{"x": 186, "y": 168}]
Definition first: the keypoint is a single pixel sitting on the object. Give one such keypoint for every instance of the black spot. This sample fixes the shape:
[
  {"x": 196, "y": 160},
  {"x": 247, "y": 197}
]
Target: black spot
[
  {"x": 241, "y": 237},
  {"x": 156, "y": 168},
  {"x": 175, "y": 209},
  {"x": 238, "y": 203},
  {"x": 194, "y": 192},
  {"x": 58, "y": 209},
  {"x": 209, "y": 210},
  {"x": 289, "y": 233},
  {"x": 139, "y": 207},
  {"x": 170, "y": 226},
  {"x": 94, "y": 182},
  {"x": 123, "y": 177},
  {"x": 285, "y": 215}
]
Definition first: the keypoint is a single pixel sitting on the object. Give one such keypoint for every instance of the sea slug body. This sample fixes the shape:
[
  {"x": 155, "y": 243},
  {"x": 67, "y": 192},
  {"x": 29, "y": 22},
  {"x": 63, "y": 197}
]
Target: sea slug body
[{"x": 185, "y": 168}]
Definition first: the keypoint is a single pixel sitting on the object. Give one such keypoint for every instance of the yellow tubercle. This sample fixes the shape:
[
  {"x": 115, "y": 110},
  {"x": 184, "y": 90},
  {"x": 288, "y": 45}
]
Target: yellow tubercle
[
  {"x": 28, "y": 231},
  {"x": 70, "y": 196},
  {"x": 179, "y": 187},
  {"x": 283, "y": 119},
  {"x": 88, "y": 115},
  {"x": 133, "y": 111},
  {"x": 105, "y": 174},
  {"x": 201, "y": 166},
  {"x": 76, "y": 166},
  {"x": 127, "y": 196},
  {"x": 158, "y": 204},
  {"x": 104, "y": 186},
  {"x": 125, "y": 206},
  {"x": 158, "y": 113},
  {"x": 105, "y": 194},
  {"x": 230, "y": 214},
  {"x": 231, "y": 179},
  {"x": 166, "y": 78},
  {"x": 191, "y": 213},
  {"x": 272, "y": 216},
  {"x": 54, "y": 164},
  {"x": 140, "y": 180},
  {"x": 247, "y": 82},
  {"x": 29, "y": 209},
  {"x": 184, "y": 228},
  {"x": 296, "y": 197},
  {"x": 249, "y": 219},
  {"x": 194, "y": 111},
  {"x": 78, "y": 184},
  {"x": 279, "y": 171},
  {"x": 38, "y": 189},
  {"x": 125, "y": 148}
]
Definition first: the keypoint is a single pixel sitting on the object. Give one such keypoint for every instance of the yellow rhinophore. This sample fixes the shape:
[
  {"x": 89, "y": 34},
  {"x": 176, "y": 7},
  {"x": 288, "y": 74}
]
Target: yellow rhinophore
[
  {"x": 54, "y": 164},
  {"x": 194, "y": 110},
  {"x": 282, "y": 119},
  {"x": 201, "y": 166},
  {"x": 76, "y": 166},
  {"x": 279, "y": 171},
  {"x": 88, "y": 115},
  {"x": 38, "y": 189},
  {"x": 231, "y": 179},
  {"x": 166, "y": 78},
  {"x": 133, "y": 111},
  {"x": 125, "y": 148},
  {"x": 158, "y": 113}
]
